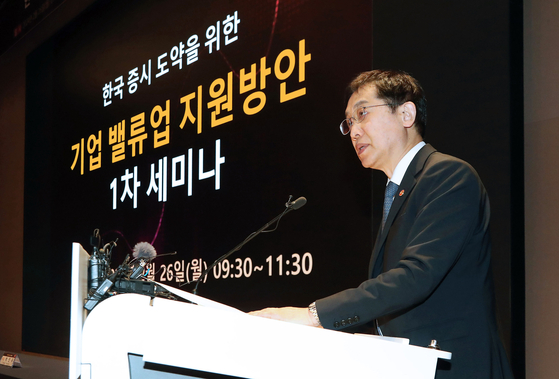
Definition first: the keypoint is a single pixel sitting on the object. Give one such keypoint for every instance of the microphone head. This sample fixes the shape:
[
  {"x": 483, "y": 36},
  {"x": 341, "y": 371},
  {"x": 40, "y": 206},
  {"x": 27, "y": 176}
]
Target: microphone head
[
  {"x": 298, "y": 203},
  {"x": 144, "y": 250}
]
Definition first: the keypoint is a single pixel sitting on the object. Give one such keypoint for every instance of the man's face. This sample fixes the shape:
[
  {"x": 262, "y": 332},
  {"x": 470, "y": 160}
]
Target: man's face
[{"x": 377, "y": 139}]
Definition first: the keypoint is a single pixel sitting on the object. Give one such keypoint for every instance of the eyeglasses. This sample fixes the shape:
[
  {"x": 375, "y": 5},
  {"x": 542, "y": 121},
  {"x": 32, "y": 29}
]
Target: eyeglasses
[{"x": 356, "y": 118}]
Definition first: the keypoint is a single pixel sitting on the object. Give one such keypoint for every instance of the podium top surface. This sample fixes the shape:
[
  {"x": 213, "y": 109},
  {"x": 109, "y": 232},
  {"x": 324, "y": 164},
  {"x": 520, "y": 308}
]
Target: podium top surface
[{"x": 233, "y": 343}]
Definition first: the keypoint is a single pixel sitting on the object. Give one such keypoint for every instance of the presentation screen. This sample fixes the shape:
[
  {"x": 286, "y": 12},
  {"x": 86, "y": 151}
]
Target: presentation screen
[{"x": 190, "y": 125}]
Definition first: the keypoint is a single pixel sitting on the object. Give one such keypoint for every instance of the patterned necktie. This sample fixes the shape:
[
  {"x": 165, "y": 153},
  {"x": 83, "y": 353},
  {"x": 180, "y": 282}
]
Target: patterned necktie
[{"x": 391, "y": 189}]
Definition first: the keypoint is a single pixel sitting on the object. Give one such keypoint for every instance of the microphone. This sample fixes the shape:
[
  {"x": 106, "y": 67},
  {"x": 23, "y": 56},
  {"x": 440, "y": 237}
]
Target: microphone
[
  {"x": 289, "y": 206},
  {"x": 107, "y": 284},
  {"x": 145, "y": 252},
  {"x": 297, "y": 203}
]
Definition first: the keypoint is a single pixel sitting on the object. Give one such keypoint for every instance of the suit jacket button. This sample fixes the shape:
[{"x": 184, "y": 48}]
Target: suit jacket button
[
  {"x": 350, "y": 321},
  {"x": 356, "y": 319},
  {"x": 343, "y": 323},
  {"x": 336, "y": 324}
]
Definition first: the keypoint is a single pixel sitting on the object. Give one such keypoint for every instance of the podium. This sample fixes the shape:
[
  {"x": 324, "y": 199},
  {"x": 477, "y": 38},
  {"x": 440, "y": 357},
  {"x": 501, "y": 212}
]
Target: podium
[{"x": 180, "y": 339}]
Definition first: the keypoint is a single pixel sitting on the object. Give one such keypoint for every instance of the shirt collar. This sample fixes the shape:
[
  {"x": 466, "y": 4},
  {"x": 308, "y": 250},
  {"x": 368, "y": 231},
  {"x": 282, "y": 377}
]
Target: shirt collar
[{"x": 402, "y": 166}]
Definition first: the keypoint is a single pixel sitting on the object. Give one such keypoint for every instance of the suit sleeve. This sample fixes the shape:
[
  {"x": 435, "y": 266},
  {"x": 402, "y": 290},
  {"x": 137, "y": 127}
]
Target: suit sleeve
[{"x": 447, "y": 206}]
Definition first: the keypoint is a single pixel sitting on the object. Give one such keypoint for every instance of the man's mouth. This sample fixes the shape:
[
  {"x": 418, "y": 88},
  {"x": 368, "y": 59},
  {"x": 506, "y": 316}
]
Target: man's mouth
[{"x": 360, "y": 148}]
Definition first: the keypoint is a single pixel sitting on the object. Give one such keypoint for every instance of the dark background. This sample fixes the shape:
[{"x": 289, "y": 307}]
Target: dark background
[
  {"x": 17, "y": 17},
  {"x": 291, "y": 148},
  {"x": 472, "y": 85}
]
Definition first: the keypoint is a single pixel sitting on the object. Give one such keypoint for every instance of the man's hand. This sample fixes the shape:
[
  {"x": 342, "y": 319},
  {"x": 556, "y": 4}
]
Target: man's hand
[{"x": 291, "y": 314}]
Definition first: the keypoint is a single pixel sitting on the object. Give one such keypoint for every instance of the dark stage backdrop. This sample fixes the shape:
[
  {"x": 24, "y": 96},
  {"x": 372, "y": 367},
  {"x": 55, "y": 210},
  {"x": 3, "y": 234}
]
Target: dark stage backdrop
[
  {"x": 188, "y": 125},
  {"x": 209, "y": 142}
]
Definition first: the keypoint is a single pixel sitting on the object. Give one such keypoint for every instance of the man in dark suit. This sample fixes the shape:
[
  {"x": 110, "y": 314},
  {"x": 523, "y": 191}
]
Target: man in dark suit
[{"x": 430, "y": 271}]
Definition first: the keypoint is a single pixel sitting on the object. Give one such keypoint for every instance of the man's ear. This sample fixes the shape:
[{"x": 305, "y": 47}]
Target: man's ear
[{"x": 408, "y": 114}]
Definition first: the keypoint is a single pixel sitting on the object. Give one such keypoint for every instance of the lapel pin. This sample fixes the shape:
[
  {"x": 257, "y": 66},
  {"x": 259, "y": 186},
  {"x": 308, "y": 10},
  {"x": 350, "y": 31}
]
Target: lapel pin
[{"x": 401, "y": 193}]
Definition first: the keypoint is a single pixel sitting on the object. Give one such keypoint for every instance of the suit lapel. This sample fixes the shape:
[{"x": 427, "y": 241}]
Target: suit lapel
[{"x": 404, "y": 190}]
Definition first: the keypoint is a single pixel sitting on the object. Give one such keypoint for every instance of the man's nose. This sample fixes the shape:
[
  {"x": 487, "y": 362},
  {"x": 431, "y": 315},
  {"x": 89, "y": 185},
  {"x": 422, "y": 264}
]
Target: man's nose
[{"x": 355, "y": 131}]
